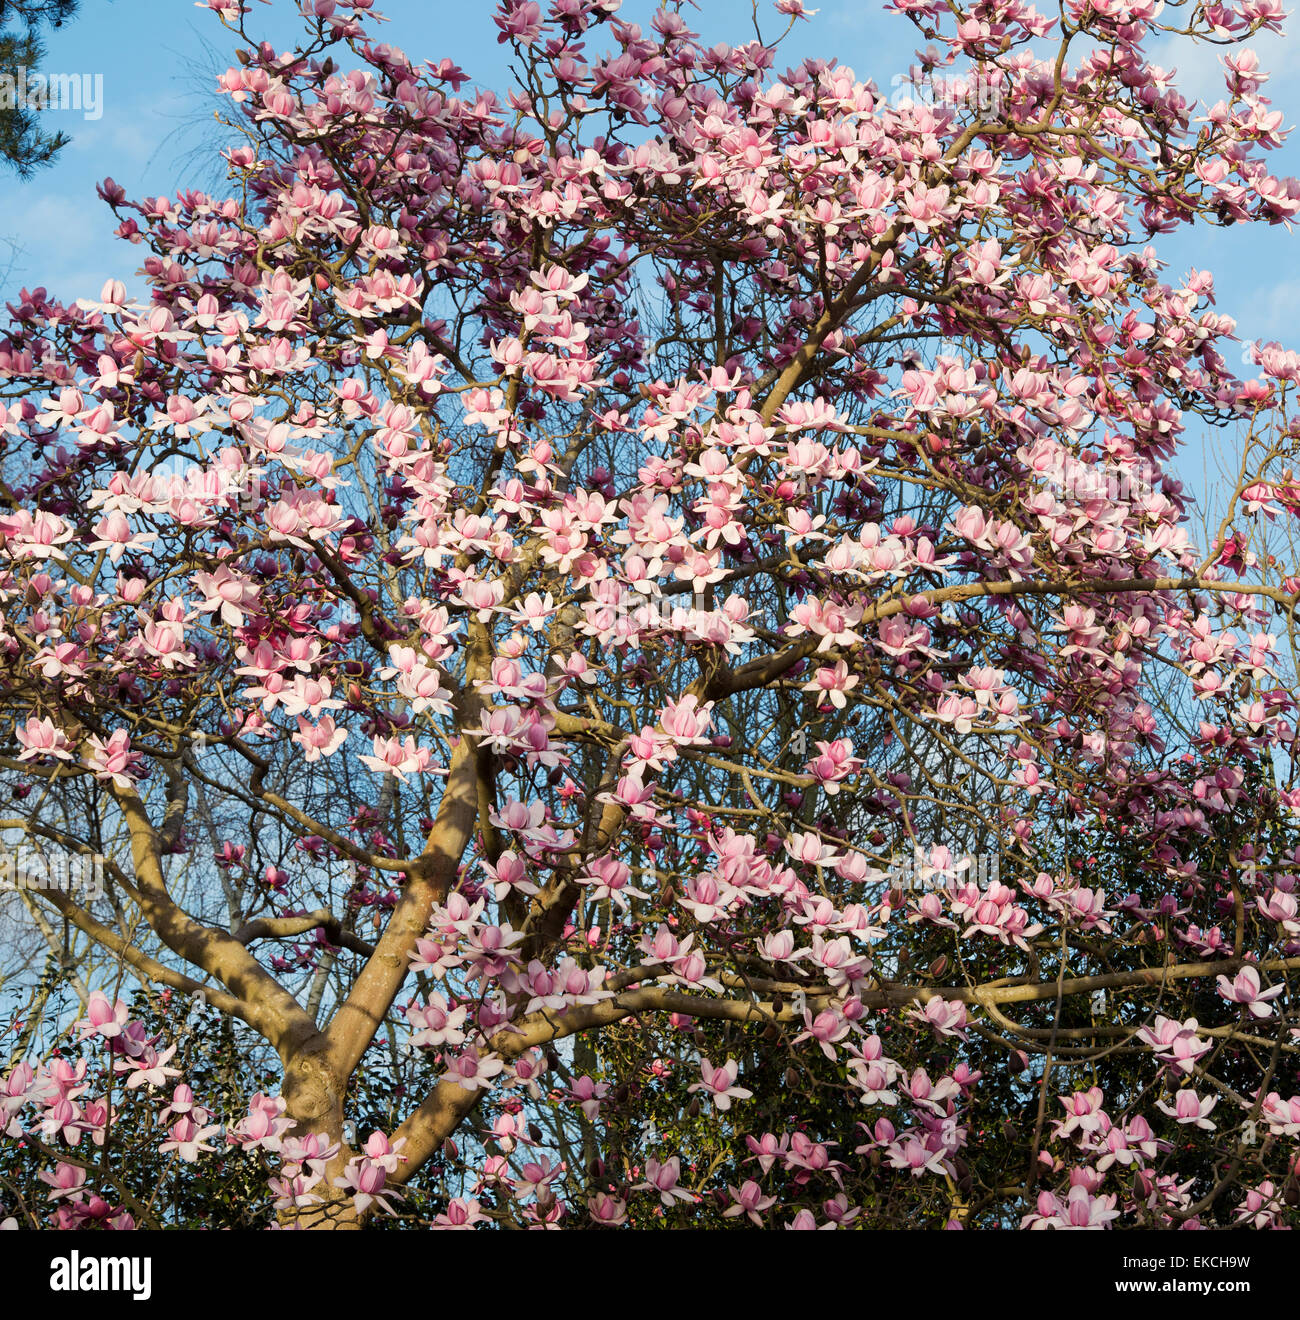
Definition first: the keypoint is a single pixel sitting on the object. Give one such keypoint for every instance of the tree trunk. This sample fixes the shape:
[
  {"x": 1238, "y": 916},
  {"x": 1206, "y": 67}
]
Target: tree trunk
[{"x": 314, "y": 1094}]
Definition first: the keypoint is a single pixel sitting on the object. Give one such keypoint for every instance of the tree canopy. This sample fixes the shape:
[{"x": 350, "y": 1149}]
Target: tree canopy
[{"x": 631, "y": 646}]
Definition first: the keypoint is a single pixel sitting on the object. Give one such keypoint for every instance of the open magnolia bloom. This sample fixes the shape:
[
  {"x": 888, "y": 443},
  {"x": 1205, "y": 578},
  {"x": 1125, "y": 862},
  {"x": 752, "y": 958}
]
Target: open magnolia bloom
[{"x": 637, "y": 639}]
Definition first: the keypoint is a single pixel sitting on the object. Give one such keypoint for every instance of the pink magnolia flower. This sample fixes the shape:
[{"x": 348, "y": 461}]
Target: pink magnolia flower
[
  {"x": 1081, "y": 1209},
  {"x": 294, "y": 1192},
  {"x": 947, "y": 1018},
  {"x": 461, "y": 1214},
  {"x": 227, "y": 593},
  {"x": 915, "y": 1155},
  {"x": 399, "y": 758},
  {"x": 1176, "y": 1043},
  {"x": 662, "y": 1178},
  {"x": 720, "y": 1083},
  {"x": 1244, "y": 989},
  {"x": 113, "y": 759},
  {"x": 472, "y": 1071},
  {"x": 828, "y": 1027},
  {"x": 1282, "y": 1116},
  {"x": 187, "y": 1139},
  {"x": 112, "y": 299},
  {"x": 589, "y": 1094},
  {"x": 383, "y": 1152},
  {"x": 748, "y": 1200},
  {"x": 66, "y": 1180},
  {"x": 768, "y": 1149},
  {"x": 103, "y": 1018},
  {"x": 607, "y": 1210},
  {"x": 805, "y": 1222},
  {"x": 1262, "y": 1206},
  {"x": 149, "y": 1068},
  {"x": 367, "y": 1179},
  {"x": 113, "y": 533},
  {"x": 41, "y": 737},
  {"x": 1189, "y": 1108},
  {"x": 1084, "y": 1113}
]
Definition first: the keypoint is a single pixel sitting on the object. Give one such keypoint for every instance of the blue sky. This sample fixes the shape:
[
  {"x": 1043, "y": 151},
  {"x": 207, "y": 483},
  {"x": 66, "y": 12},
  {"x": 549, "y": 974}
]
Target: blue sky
[{"x": 159, "y": 59}]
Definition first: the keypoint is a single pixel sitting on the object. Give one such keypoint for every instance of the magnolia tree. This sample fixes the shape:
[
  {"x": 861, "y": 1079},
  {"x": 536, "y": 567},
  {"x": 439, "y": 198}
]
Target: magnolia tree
[{"x": 636, "y": 636}]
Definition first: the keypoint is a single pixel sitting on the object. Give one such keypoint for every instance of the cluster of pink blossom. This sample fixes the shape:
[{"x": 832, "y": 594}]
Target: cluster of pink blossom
[{"x": 49, "y": 1103}]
